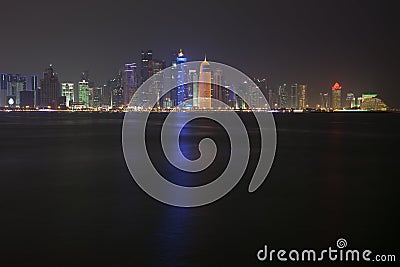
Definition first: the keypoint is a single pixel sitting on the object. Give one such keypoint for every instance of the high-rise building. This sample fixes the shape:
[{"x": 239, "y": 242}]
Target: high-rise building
[
  {"x": 157, "y": 85},
  {"x": 294, "y": 93},
  {"x": 146, "y": 67},
  {"x": 129, "y": 81},
  {"x": 262, "y": 85},
  {"x": 216, "y": 87},
  {"x": 3, "y": 89},
  {"x": 34, "y": 86},
  {"x": 68, "y": 90},
  {"x": 324, "y": 100},
  {"x": 205, "y": 85},
  {"x": 273, "y": 99},
  {"x": 117, "y": 91},
  {"x": 50, "y": 89},
  {"x": 302, "y": 96},
  {"x": 283, "y": 96},
  {"x": 350, "y": 101},
  {"x": 16, "y": 85},
  {"x": 83, "y": 93},
  {"x": 336, "y": 96},
  {"x": 97, "y": 97},
  {"x": 181, "y": 79},
  {"x": 194, "y": 87}
]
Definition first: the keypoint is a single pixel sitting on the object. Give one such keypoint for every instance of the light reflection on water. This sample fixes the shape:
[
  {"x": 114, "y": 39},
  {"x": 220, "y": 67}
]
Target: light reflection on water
[{"x": 66, "y": 197}]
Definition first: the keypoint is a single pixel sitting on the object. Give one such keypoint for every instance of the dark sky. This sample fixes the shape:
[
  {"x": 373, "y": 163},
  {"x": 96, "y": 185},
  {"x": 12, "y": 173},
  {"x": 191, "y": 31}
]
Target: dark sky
[{"x": 310, "y": 41}]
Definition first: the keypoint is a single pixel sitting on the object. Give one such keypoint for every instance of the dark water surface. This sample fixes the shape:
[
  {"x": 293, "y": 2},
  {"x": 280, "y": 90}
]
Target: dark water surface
[{"x": 67, "y": 198}]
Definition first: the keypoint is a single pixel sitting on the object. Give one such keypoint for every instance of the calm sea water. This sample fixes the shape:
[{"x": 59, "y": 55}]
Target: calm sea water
[{"x": 67, "y": 198}]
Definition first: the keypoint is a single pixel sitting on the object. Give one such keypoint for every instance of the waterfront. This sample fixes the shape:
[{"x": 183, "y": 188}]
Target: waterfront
[{"x": 67, "y": 198}]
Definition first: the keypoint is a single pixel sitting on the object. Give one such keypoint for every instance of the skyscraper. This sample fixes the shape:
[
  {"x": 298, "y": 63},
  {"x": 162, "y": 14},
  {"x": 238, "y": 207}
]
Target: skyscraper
[
  {"x": 3, "y": 89},
  {"x": 129, "y": 82},
  {"x": 294, "y": 93},
  {"x": 350, "y": 101},
  {"x": 324, "y": 100},
  {"x": 35, "y": 88},
  {"x": 205, "y": 85},
  {"x": 83, "y": 93},
  {"x": 158, "y": 80},
  {"x": 68, "y": 90},
  {"x": 302, "y": 96},
  {"x": 194, "y": 87},
  {"x": 16, "y": 85},
  {"x": 181, "y": 79},
  {"x": 116, "y": 87},
  {"x": 216, "y": 87},
  {"x": 336, "y": 96},
  {"x": 283, "y": 96},
  {"x": 146, "y": 67},
  {"x": 50, "y": 90}
]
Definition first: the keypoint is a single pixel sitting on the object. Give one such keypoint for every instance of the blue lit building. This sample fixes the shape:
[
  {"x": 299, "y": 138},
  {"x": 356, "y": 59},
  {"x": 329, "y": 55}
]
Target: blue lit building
[{"x": 180, "y": 62}]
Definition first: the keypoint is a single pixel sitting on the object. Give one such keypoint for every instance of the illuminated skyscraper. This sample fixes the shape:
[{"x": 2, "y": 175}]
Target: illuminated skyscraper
[
  {"x": 205, "y": 85},
  {"x": 194, "y": 87},
  {"x": 83, "y": 89},
  {"x": 324, "y": 100},
  {"x": 146, "y": 67},
  {"x": 294, "y": 93},
  {"x": 116, "y": 88},
  {"x": 283, "y": 96},
  {"x": 336, "y": 96},
  {"x": 129, "y": 82},
  {"x": 350, "y": 101},
  {"x": 35, "y": 88},
  {"x": 156, "y": 87},
  {"x": 181, "y": 71},
  {"x": 68, "y": 90},
  {"x": 50, "y": 89},
  {"x": 302, "y": 96},
  {"x": 3, "y": 90},
  {"x": 216, "y": 87}
]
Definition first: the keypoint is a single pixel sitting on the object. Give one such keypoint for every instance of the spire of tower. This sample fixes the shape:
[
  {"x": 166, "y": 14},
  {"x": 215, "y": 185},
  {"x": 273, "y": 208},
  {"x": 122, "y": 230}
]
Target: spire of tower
[{"x": 205, "y": 57}]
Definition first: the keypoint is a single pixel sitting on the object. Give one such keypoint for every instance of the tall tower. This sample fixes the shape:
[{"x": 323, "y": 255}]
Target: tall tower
[
  {"x": 216, "y": 87},
  {"x": 194, "y": 87},
  {"x": 83, "y": 89},
  {"x": 129, "y": 82},
  {"x": 180, "y": 64},
  {"x": 205, "y": 85},
  {"x": 3, "y": 89},
  {"x": 302, "y": 97},
  {"x": 294, "y": 93},
  {"x": 67, "y": 90},
  {"x": 283, "y": 96},
  {"x": 336, "y": 96},
  {"x": 50, "y": 90},
  {"x": 146, "y": 68}
]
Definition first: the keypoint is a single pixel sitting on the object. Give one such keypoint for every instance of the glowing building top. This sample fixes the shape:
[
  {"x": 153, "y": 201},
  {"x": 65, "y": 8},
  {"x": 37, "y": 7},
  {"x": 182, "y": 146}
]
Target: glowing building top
[
  {"x": 336, "y": 86},
  {"x": 181, "y": 57}
]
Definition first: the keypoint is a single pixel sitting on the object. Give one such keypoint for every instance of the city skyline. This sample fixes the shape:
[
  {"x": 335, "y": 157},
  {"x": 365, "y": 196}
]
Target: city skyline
[
  {"x": 116, "y": 93},
  {"x": 351, "y": 42}
]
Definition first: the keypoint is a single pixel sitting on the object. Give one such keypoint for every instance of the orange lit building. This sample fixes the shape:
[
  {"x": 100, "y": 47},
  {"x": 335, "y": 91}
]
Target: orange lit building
[{"x": 205, "y": 85}]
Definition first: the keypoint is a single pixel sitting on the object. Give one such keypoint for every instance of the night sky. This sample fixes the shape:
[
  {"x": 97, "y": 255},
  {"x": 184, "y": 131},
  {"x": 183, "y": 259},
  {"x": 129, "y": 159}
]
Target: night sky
[{"x": 313, "y": 41}]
